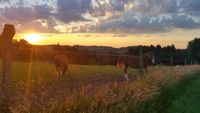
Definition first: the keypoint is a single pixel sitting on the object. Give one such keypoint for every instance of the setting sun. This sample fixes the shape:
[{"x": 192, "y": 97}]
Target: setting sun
[{"x": 32, "y": 38}]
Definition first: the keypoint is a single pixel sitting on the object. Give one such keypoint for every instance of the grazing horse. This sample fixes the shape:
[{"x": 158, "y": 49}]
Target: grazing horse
[
  {"x": 133, "y": 62},
  {"x": 61, "y": 63}
]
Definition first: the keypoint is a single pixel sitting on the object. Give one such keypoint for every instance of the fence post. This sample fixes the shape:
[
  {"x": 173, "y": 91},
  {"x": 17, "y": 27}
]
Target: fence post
[
  {"x": 6, "y": 47},
  {"x": 141, "y": 60},
  {"x": 185, "y": 62},
  {"x": 196, "y": 62},
  {"x": 171, "y": 63}
]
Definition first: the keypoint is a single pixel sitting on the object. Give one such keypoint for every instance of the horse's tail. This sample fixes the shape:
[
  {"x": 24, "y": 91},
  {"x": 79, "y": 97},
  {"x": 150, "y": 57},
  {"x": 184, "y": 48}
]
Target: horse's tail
[{"x": 119, "y": 62}]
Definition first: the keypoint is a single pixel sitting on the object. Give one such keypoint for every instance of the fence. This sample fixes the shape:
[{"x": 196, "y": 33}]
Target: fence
[
  {"x": 6, "y": 42},
  {"x": 5, "y": 46},
  {"x": 7, "y": 68},
  {"x": 171, "y": 61}
]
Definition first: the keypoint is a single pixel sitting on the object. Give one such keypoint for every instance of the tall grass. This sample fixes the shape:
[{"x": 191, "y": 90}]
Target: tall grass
[{"x": 94, "y": 96}]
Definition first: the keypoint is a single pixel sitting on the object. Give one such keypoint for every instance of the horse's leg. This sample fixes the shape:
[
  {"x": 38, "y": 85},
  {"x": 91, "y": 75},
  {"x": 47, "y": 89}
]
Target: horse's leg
[
  {"x": 58, "y": 72},
  {"x": 125, "y": 72},
  {"x": 65, "y": 69}
]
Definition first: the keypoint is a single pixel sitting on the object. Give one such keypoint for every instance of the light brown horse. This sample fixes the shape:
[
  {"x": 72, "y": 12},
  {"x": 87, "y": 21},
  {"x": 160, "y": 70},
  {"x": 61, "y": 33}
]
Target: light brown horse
[
  {"x": 61, "y": 63},
  {"x": 133, "y": 62}
]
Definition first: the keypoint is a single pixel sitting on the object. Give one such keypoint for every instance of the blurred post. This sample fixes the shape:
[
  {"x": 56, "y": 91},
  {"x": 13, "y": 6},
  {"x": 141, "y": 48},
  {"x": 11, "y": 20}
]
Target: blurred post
[
  {"x": 196, "y": 62},
  {"x": 6, "y": 48},
  {"x": 185, "y": 62},
  {"x": 141, "y": 60},
  {"x": 171, "y": 63}
]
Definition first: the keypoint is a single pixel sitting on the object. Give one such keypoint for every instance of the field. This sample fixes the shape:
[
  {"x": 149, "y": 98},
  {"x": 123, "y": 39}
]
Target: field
[
  {"x": 46, "y": 71},
  {"x": 87, "y": 88}
]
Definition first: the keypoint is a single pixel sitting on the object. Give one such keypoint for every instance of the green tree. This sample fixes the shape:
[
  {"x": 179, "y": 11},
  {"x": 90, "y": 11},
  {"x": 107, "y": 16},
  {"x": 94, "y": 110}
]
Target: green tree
[{"x": 194, "y": 49}]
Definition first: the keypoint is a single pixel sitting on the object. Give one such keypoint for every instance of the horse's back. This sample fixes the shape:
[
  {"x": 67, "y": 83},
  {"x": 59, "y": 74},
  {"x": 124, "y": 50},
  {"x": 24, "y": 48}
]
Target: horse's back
[
  {"x": 60, "y": 60},
  {"x": 132, "y": 61}
]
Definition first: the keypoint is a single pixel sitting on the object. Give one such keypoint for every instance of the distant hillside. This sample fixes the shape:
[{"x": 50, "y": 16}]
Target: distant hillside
[{"x": 101, "y": 54}]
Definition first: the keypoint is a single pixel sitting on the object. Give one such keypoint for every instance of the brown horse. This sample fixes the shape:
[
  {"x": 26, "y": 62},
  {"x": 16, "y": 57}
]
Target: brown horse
[
  {"x": 61, "y": 63},
  {"x": 133, "y": 62}
]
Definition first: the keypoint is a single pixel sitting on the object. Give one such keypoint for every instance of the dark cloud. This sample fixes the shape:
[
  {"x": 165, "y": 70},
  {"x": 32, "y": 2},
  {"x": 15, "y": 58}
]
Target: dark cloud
[
  {"x": 192, "y": 7},
  {"x": 26, "y": 17},
  {"x": 19, "y": 14},
  {"x": 72, "y": 10},
  {"x": 182, "y": 21},
  {"x": 155, "y": 16},
  {"x": 117, "y": 5},
  {"x": 149, "y": 24},
  {"x": 42, "y": 11},
  {"x": 3, "y": 1},
  {"x": 100, "y": 7},
  {"x": 130, "y": 24}
]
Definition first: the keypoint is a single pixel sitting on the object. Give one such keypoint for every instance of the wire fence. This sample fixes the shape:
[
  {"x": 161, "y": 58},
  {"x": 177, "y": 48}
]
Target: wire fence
[
  {"x": 96, "y": 54},
  {"x": 72, "y": 52}
]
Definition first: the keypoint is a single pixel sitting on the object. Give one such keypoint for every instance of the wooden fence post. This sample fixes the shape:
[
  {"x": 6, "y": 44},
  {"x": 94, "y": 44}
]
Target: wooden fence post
[
  {"x": 185, "y": 61},
  {"x": 171, "y": 63},
  {"x": 196, "y": 62},
  {"x": 141, "y": 60},
  {"x": 6, "y": 48}
]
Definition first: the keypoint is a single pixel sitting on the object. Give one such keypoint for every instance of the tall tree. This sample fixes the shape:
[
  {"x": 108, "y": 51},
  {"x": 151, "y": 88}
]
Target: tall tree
[{"x": 194, "y": 49}]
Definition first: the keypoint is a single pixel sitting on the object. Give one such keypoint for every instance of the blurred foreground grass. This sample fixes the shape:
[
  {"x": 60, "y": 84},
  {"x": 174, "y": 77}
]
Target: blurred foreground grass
[{"x": 36, "y": 90}]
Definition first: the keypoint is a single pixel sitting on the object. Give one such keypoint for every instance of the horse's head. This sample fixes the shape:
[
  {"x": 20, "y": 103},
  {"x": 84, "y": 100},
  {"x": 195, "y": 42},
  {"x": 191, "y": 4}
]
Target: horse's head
[{"x": 150, "y": 57}]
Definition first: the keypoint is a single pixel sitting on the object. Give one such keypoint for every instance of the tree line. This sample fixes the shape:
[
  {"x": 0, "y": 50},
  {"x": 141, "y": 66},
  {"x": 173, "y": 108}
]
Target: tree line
[{"x": 23, "y": 51}]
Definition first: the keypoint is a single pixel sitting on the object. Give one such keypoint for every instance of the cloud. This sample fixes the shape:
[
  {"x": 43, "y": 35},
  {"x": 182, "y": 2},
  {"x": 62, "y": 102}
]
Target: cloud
[
  {"x": 72, "y": 10},
  {"x": 129, "y": 16},
  {"x": 129, "y": 23},
  {"x": 26, "y": 17},
  {"x": 185, "y": 22},
  {"x": 27, "y": 14},
  {"x": 155, "y": 16},
  {"x": 3, "y": 1},
  {"x": 61, "y": 12},
  {"x": 192, "y": 7}
]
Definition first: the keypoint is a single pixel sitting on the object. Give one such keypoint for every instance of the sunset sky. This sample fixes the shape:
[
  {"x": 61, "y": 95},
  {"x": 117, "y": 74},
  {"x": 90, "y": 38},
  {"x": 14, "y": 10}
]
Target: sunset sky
[{"x": 116, "y": 23}]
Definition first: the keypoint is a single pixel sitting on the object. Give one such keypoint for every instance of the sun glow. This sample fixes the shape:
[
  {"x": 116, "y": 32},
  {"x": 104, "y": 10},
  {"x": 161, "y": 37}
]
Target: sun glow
[{"x": 33, "y": 38}]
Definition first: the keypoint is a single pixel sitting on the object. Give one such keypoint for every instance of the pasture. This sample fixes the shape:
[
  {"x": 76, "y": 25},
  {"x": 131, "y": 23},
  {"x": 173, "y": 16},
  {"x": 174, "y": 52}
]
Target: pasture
[
  {"x": 86, "y": 88},
  {"x": 23, "y": 71}
]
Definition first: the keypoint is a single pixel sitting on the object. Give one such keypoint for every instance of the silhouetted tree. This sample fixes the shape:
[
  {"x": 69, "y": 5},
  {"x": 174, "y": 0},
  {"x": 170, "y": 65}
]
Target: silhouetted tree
[
  {"x": 193, "y": 49},
  {"x": 21, "y": 43}
]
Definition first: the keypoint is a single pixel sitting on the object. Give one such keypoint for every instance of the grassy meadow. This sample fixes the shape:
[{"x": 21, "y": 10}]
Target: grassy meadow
[
  {"x": 22, "y": 71},
  {"x": 88, "y": 88}
]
